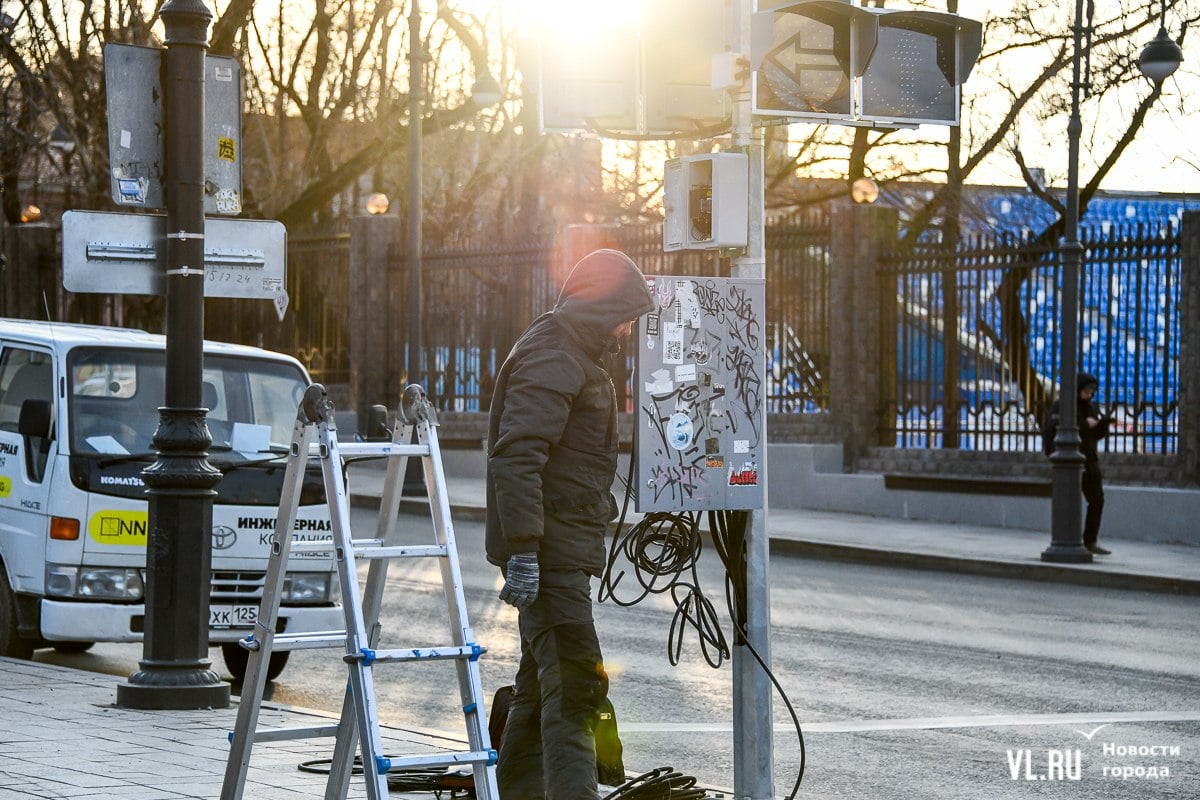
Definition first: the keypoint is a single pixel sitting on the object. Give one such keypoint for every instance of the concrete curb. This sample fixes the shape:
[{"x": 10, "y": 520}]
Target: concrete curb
[{"x": 1032, "y": 570}]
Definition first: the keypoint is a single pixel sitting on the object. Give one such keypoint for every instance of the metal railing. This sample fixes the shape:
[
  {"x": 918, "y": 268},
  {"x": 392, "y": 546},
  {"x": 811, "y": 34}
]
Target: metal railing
[{"x": 997, "y": 300}]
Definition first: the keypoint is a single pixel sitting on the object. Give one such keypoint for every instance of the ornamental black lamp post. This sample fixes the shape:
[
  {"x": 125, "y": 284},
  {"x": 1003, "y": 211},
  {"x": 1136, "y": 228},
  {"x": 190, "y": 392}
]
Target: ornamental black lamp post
[
  {"x": 1158, "y": 60},
  {"x": 1066, "y": 519},
  {"x": 175, "y": 671}
]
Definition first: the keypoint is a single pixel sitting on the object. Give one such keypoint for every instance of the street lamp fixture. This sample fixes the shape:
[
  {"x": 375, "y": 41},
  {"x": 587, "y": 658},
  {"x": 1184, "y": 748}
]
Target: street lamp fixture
[
  {"x": 1162, "y": 56},
  {"x": 61, "y": 141},
  {"x": 864, "y": 190},
  {"x": 487, "y": 91},
  {"x": 377, "y": 204}
]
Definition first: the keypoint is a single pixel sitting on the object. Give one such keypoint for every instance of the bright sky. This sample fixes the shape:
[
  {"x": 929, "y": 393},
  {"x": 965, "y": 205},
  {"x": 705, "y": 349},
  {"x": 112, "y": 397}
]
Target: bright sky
[{"x": 1164, "y": 158}]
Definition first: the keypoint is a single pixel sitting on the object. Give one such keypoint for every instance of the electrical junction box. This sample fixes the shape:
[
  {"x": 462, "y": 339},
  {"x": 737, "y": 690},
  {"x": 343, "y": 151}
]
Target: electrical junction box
[
  {"x": 699, "y": 433},
  {"x": 706, "y": 202}
]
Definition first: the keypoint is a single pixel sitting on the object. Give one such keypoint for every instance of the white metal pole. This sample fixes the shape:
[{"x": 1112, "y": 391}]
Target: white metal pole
[{"x": 753, "y": 755}]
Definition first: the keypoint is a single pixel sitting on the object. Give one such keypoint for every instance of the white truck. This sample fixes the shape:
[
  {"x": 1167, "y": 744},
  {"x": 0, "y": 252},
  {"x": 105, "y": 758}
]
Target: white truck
[{"x": 78, "y": 410}]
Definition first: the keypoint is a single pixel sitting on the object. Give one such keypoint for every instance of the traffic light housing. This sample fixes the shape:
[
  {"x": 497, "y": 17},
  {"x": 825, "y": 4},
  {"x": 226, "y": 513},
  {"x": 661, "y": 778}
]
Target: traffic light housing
[
  {"x": 649, "y": 79},
  {"x": 830, "y": 61},
  {"x": 705, "y": 199}
]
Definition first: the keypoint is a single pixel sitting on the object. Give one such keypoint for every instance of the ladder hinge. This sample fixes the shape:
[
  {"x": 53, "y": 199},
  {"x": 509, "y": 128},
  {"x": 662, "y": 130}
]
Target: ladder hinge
[
  {"x": 382, "y": 764},
  {"x": 365, "y": 654}
]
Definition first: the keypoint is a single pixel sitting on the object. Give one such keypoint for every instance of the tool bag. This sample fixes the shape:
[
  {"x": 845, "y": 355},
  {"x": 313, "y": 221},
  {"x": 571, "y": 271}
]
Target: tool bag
[{"x": 610, "y": 769}]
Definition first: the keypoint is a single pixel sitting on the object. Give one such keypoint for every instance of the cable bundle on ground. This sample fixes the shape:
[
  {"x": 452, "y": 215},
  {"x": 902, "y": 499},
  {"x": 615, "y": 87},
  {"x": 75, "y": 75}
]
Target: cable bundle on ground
[
  {"x": 429, "y": 779},
  {"x": 663, "y": 783}
]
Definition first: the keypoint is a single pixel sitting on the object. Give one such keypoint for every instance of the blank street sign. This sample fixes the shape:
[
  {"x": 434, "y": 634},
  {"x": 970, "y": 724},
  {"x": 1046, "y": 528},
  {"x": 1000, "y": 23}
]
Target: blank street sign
[
  {"x": 109, "y": 253},
  {"x": 135, "y": 129}
]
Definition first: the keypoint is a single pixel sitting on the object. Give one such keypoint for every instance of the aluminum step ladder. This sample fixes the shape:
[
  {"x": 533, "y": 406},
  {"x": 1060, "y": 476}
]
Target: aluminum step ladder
[{"x": 359, "y": 720}]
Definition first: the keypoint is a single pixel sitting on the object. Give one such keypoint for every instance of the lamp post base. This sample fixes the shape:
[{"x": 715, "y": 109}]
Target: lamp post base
[
  {"x": 1067, "y": 554},
  {"x": 173, "y": 686}
]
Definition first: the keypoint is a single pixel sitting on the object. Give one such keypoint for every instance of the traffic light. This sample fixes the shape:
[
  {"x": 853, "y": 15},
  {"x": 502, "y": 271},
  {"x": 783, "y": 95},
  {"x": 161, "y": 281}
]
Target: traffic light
[
  {"x": 679, "y": 40},
  {"x": 705, "y": 199},
  {"x": 830, "y": 61},
  {"x": 637, "y": 79}
]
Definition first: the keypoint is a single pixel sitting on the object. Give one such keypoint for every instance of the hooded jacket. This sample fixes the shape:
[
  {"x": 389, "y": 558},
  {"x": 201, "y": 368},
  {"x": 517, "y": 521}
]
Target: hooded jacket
[
  {"x": 1089, "y": 438},
  {"x": 552, "y": 434}
]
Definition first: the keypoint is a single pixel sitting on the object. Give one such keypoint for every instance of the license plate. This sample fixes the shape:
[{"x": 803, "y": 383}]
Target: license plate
[{"x": 232, "y": 616}]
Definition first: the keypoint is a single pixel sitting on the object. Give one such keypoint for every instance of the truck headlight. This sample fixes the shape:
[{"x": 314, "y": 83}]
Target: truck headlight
[
  {"x": 94, "y": 583},
  {"x": 307, "y": 588}
]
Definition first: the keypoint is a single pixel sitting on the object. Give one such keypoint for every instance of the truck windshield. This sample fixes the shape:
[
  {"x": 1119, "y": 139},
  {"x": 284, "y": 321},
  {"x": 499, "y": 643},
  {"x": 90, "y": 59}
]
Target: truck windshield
[{"x": 114, "y": 395}]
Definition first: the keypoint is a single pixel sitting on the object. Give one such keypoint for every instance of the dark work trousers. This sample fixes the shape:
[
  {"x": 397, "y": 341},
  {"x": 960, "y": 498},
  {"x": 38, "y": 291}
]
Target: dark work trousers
[
  {"x": 1093, "y": 492},
  {"x": 548, "y": 750}
]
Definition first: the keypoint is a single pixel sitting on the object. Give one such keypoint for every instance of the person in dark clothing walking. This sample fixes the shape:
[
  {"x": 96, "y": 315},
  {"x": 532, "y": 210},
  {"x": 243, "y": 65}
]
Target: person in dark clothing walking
[
  {"x": 552, "y": 459},
  {"x": 1093, "y": 426}
]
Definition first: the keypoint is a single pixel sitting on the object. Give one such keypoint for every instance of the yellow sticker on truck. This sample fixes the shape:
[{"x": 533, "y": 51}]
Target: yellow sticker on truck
[
  {"x": 5, "y": 486},
  {"x": 120, "y": 527}
]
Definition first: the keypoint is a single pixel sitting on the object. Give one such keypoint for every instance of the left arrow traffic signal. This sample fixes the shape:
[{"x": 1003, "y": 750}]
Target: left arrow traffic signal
[{"x": 829, "y": 61}]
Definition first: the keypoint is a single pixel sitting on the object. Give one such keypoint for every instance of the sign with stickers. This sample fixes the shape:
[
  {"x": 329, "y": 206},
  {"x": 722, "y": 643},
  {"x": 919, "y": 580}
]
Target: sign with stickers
[{"x": 700, "y": 437}]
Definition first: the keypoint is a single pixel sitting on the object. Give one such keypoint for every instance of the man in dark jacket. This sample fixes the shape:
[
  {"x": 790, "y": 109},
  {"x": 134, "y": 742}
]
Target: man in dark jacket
[
  {"x": 1093, "y": 426},
  {"x": 552, "y": 459}
]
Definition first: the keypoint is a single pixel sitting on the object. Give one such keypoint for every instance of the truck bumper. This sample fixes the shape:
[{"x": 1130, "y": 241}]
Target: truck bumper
[{"x": 110, "y": 622}]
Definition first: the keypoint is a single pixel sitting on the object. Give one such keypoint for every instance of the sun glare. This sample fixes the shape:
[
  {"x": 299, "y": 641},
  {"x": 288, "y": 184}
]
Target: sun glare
[{"x": 578, "y": 19}]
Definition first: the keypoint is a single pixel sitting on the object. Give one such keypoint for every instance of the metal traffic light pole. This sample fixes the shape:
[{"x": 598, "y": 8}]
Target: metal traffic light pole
[
  {"x": 175, "y": 672},
  {"x": 753, "y": 744}
]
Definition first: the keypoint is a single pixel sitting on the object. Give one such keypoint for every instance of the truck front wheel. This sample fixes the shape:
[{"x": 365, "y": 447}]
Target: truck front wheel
[
  {"x": 12, "y": 644},
  {"x": 237, "y": 658}
]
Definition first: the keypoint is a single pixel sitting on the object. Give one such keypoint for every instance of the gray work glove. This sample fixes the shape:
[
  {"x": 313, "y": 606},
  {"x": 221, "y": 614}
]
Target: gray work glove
[{"x": 521, "y": 581}]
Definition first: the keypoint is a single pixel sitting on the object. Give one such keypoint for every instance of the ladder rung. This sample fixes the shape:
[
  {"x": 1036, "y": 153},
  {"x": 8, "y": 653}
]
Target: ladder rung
[
  {"x": 399, "y": 551},
  {"x": 288, "y": 734},
  {"x": 368, "y": 657},
  {"x": 311, "y": 547},
  {"x": 309, "y": 641},
  {"x": 389, "y": 449},
  {"x": 329, "y": 546},
  {"x": 444, "y": 759}
]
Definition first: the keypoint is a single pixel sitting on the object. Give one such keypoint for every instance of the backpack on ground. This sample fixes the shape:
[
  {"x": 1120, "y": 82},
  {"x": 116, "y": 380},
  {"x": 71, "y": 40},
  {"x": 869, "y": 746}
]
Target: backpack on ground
[{"x": 610, "y": 768}]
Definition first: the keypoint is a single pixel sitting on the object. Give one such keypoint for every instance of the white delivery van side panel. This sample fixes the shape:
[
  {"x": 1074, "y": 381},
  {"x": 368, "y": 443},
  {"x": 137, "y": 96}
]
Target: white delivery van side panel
[
  {"x": 27, "y": 380},
  {"x": 23, "y": 523}
]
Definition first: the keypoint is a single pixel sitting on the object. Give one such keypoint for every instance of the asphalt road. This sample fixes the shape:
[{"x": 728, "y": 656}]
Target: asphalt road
[{"x": 907, "y": 683}]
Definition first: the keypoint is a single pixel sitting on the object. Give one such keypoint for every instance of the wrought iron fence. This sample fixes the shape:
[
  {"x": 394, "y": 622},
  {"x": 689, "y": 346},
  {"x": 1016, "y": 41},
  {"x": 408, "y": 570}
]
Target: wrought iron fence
[
  {"x": 798, "y": 313},
  {"x": 478, "y": 299},
  {"x": 314, "y": 329},
  {"x": 997, "y": 301}
]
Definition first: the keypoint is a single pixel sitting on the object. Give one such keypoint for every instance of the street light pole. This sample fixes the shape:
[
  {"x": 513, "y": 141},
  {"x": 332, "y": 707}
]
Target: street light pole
[
  {"x": 1066, "y": 532},
  {"x": 175, "y": 672},
  {"x": 416, "y": 73}
]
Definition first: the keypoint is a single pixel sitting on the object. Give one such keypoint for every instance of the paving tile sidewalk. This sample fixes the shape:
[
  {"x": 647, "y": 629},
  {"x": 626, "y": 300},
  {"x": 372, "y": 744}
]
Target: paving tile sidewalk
[
  {"x": 969, "y": 549},
  {"x": 63, "y": 737}
]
